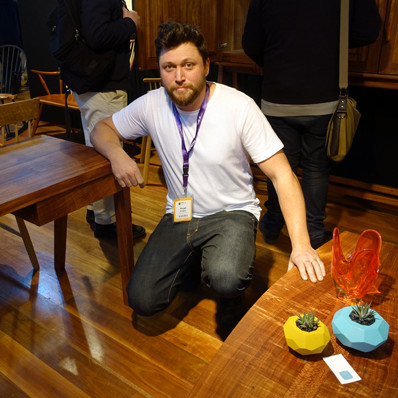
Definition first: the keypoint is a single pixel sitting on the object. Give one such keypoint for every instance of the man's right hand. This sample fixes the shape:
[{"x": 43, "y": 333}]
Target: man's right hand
[
  {"x": 132, "y": 15},
  {"x": 107, "y": 141},
  {"x": 126, "y": 171}
]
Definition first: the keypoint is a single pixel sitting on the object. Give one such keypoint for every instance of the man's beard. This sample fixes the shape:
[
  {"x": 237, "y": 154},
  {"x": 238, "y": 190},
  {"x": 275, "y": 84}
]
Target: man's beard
[{"x": 186, "y": 98}]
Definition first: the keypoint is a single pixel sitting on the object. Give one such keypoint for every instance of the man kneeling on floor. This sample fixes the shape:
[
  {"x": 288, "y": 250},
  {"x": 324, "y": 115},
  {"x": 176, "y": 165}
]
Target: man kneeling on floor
[{"x": 203, "y": 132}]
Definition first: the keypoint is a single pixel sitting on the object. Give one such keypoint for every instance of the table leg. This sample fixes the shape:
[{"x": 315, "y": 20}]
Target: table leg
[
  {"x": 124, "y": 236},
  {"x": 60, "y": 243},
  {"x": 28, "y": 243}
]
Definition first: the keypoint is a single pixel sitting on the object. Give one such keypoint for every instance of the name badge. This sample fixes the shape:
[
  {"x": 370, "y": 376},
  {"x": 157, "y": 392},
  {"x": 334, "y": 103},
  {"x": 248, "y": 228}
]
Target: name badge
[{"x": 182, "y": 209}]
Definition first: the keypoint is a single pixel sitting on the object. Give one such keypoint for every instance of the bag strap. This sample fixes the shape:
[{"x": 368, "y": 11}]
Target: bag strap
[
  {"x": 68, "y": 123},
  {"x": 68, "y": 91},
  {"x": 344, "y": 23}
]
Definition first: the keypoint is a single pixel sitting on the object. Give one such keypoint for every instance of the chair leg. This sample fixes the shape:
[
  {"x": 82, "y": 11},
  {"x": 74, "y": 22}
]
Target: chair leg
[
  {"x": 28, "y": 243},
  {"x": 147, "y": 158},
  {"x": 143, "y": 149}
]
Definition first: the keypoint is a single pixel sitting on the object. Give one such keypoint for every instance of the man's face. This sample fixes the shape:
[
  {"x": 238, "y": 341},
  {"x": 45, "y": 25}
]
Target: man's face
[{"x": 183, "y": 75}]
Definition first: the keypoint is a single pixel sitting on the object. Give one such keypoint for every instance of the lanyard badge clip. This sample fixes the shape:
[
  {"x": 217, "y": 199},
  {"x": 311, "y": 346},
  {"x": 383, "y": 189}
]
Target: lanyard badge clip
[{"x": 185, "y": 174}]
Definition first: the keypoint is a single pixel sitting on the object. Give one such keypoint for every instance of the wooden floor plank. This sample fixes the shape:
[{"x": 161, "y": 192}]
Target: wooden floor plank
[
  {"x": 84, "y": 370},
  {"x": 49, "y": 326},
  {"x": 160, "y": 352},
  {"x": 32, "y": 375},
  {"x": 10, "y": 389}
]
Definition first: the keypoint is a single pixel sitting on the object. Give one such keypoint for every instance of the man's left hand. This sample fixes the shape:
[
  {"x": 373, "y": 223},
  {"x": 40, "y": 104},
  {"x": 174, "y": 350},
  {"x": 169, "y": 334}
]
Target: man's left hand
[{"x": 308, "y": 263}]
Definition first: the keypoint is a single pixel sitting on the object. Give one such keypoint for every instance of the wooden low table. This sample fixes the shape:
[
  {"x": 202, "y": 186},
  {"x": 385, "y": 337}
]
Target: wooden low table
[
  {"x": 46, "y": 178},
  {"x": 255, "y": 361}
]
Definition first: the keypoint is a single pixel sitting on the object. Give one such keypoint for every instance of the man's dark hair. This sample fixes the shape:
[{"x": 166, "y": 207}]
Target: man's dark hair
[{"x": 172, "y": 34}]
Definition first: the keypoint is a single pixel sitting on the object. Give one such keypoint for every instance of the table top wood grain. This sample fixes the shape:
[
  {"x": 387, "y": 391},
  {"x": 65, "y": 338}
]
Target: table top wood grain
[
  {"x": 44, "y": 166},
  {"x": 255, "y": 361}
]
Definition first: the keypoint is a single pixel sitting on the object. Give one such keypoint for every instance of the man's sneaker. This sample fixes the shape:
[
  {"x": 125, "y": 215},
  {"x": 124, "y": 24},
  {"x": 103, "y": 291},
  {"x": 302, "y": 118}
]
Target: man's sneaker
[
  {"x": 327, "y": 236},
  {"x": 90, "y": 216},
  {"x": 109, "y": 231},
  {"x": 270, "y": 238},
  {"x": 229, "y": 312}
]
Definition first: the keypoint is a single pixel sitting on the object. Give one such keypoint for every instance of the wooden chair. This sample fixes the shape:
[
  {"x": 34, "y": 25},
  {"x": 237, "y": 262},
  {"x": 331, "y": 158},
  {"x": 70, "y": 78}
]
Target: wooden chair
[
  {"x": 16, "y": 113},
  {"x": 12, "y": 67},
  {"x": 146, "y": 144},
  {"x": 60, "y": 99}
]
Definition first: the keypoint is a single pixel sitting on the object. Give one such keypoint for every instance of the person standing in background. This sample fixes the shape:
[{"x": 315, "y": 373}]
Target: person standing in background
[
  {"x": 10, "y": 31},
  {"x": 105, "y": 25},
  {"x": 297, "y": 45}
]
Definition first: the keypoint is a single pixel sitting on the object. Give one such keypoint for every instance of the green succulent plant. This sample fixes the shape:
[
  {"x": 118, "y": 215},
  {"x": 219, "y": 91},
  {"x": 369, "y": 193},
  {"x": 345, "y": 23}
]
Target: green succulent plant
[
  {"x": 307, "y": 322},
  {"x": 361, "y": 313}
]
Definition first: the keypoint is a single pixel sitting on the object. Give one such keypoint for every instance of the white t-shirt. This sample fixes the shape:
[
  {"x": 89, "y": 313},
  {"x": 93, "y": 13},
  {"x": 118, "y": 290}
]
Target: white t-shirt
[{"x": 220, "y": 177}]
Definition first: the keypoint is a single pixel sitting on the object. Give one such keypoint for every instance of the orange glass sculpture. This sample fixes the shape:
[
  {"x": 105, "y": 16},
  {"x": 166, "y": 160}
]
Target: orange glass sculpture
[{"x": 355, "y": 275}]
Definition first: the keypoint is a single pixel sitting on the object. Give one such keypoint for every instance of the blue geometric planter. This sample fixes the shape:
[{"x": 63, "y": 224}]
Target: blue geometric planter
[{"x": 363, "y": 338}]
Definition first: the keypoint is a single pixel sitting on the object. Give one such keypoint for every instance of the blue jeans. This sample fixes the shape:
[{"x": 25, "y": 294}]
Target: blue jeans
[
  {"x": 304, "y": 145},
  {"x": 226, "y": 242}
]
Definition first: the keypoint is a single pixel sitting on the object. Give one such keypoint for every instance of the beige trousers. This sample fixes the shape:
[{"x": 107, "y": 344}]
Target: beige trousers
[{"x": 95, "y": 107}]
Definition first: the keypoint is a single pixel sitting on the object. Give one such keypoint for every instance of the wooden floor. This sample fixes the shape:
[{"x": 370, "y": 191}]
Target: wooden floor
[{"x": 69, "y": 335}]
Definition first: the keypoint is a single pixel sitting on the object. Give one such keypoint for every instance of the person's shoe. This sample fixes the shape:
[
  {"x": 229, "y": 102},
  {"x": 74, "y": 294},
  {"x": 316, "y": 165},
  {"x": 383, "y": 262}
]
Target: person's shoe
[
  {"x": 327, "y": 236},
  {"x": 90, "y": 218},
  {"x": 229, "y": 312},
  {"x": 270, "y": 238},
  {"x": 109, "y": 231}
]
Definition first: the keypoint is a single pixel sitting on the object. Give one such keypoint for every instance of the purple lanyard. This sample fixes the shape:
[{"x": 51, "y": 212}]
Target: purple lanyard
[{"x": 185, "y": 153}]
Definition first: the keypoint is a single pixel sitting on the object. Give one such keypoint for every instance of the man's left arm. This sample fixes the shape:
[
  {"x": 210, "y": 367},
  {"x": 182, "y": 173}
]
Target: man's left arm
[{"x": 291, "y": 200}]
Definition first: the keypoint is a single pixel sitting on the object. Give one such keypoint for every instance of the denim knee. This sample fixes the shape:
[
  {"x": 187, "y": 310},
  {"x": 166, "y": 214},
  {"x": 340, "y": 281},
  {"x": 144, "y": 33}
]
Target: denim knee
[
  {"x": 143, "y": 305},
  {"x": 228, "y": 284},
  {"x": 143, "y": 301}
]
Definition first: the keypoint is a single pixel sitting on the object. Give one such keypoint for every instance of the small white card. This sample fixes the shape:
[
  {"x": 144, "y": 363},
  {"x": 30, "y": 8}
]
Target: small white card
[
  {"x": 342, "y": 369},
  {"x": 182, "y": 209}
]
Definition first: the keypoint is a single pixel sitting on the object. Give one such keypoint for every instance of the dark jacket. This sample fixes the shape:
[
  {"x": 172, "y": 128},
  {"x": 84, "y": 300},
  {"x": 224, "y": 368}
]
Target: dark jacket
[
  {"x": 104, "y": 28},
  {"x": 10, "y": 32},
  {"x": 297, "y": 44}
]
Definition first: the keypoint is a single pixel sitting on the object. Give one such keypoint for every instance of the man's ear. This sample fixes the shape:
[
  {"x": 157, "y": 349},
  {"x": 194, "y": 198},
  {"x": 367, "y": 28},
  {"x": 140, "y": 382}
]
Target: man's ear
[{"x": 207, "y": 66}]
